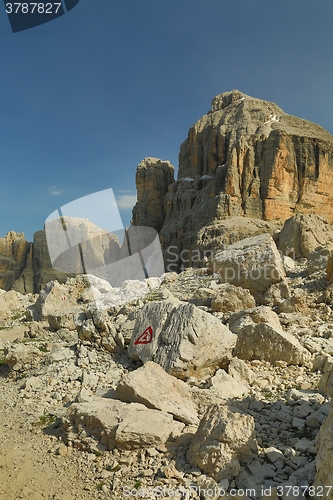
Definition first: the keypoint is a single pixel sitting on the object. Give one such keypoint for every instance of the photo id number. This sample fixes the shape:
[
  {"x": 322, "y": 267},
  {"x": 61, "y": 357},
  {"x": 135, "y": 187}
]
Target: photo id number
[{"x": 31, "y": 8}]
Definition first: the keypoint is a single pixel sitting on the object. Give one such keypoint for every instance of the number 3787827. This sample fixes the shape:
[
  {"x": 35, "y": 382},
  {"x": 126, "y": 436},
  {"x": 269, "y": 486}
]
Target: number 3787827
[{"x": 32, "y": 8}]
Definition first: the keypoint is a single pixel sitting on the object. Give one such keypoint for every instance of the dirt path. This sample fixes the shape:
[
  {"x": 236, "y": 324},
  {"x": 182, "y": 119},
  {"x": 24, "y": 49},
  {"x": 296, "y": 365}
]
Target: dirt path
[{"x": 33, "y": 464}]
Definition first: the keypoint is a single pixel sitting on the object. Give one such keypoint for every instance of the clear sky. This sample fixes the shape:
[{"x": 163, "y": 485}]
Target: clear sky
[{"x": 87, "y": 96}]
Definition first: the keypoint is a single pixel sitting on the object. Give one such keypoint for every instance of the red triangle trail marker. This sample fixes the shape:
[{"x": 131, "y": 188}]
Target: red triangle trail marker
[{"x": 146, "y": 337}]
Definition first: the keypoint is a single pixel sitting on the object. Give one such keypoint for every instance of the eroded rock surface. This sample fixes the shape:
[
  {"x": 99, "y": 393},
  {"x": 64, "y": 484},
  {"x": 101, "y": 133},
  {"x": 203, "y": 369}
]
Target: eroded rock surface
[
  {"x": 183, "y": 339},
  {"x": 245, "y": 157}
]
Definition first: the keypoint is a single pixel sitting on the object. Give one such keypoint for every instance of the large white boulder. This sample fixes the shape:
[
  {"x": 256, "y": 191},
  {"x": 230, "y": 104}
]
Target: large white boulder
[
  {"x": 265, "y": 343},
  {"x": 324, "y": 459},
  {"x": 253, "y": 316},
  {"x": 182, "y": 338},
  {"x": 118, "y": 425},
  {"x": 253, "y": 263},
  {"x": 153, "y": 387},
  {"x": 223, "y": 440}
]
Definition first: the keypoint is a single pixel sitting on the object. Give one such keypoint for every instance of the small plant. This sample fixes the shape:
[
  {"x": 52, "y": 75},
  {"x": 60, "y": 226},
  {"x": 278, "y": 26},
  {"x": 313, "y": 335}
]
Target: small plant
[
  {"x": 116, "y": 468},
  {"x": 100, "y": 485},
  {"x": 16, "y": 316},
  {"x": 42, "y": 348},
  {"x": 46, "y": 419},
  {"x": 137, "y": 484},
  {"x": 152, "y": 299}
]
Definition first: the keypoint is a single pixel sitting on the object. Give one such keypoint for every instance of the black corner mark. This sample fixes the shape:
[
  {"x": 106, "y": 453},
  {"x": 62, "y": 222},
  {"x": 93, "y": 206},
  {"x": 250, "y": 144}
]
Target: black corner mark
[{"x": 26, "y": 15}]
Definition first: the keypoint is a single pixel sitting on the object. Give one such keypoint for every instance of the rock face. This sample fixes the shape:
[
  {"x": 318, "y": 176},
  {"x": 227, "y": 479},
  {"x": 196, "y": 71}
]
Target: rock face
[
  {"x": 14, "y": 250},
  {"x": 245, "y": 157},
  {"x": 78, "y": 246},
  {"x": 98, "y": 245},
  {"x": 153, "y": 177}
]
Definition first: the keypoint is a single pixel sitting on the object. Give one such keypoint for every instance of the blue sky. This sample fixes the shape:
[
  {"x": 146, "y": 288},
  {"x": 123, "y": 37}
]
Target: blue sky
[{"x": 87, "y": 96}]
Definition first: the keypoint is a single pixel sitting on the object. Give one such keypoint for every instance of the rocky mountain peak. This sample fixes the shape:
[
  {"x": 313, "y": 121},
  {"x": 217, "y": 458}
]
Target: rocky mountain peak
[{"x": 245, "y": 157}]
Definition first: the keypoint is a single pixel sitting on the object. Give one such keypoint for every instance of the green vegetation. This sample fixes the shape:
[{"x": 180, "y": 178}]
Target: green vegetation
[
  {"x": 46, "y": 419},
  {"x": 100, "y": 485},
  {"x": 152, "y": 298},
  {"x": 137, "y": 484},
  {"x": 17, "y": 315},
  {"x": 116, "y": 468}
]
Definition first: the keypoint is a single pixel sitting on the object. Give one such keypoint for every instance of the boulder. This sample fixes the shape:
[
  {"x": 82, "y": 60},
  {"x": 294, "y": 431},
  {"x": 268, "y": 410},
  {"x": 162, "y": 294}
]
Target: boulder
[
  {"x": 318, "y": 260},
  {"x": 288, "y": 264},
  {"x": 12, "y": 305},
  {"x": 296, "y": 303},
  {"x": 18, "y": 355},
  {"x": 326, "y": 382},
  {"x": 56, "y": 299},
  {"x": 95, "y": 325},
  {"x": 324, "y": 462},
  {"x": 182, "y": 338},
  {"x": 226, "y": 386},
  {"x": 265, "y": 343},
  {"x": 232, "y": 298},
  {"x": 253, "y": 316},
  {"x": 156, "y": 389},
  {"x": 203, "y": 297},
  {"x": 118, "y": 425},
  {"x": 223, "y": 440},
  {"x": 144, "y": 428},
  {"x": 303, "y": 233},
  {"x": 252, "y": 263},
  {"x": 239, "y": 371},
  {"x": 129, "y": 291}
]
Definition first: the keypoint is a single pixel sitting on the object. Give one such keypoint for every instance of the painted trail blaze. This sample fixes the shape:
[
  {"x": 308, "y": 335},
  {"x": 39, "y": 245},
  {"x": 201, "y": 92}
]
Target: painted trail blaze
[{"x": 146, "y": 337}]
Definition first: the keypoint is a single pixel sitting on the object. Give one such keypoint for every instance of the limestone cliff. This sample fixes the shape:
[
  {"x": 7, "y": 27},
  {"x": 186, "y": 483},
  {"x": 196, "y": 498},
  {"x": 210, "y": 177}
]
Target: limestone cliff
[
  {"x": 14, "y": 250},
  {"x": 245, "y": 157},
  {"x": 99, "y": 247},
  {"x": 153, "y": 177}
]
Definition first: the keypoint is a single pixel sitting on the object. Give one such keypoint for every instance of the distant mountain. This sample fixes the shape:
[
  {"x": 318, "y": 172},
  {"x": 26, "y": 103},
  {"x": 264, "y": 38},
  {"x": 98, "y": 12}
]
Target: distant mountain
[{"x": 244, "y": 158}]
